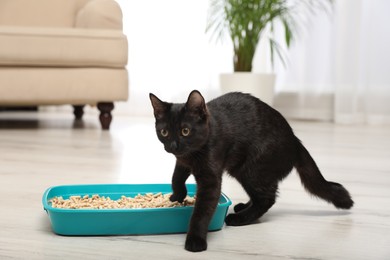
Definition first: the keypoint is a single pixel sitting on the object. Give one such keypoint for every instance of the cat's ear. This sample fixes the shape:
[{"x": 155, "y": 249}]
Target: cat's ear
[
  {"x": 196, "y": 103},
  {"x": 159, "y": 107}
]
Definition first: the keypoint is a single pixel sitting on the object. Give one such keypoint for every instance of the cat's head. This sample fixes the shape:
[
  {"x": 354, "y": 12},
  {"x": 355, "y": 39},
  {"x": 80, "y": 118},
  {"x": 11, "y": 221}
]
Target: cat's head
[{"x": 182, "y": 128}]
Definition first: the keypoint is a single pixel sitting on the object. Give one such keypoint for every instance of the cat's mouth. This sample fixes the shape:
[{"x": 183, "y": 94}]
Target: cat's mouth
[{"x": 177, "y": 153}]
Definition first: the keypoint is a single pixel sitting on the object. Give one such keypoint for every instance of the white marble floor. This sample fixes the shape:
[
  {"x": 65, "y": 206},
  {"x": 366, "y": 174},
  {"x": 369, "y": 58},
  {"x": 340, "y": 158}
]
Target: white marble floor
[{"x": 40, "y": 150}]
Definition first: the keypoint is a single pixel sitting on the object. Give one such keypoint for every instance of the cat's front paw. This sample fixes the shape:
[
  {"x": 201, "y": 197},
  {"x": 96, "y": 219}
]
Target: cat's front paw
[
  {"x": 177, "y": 197},
  {"x": 195, "y": 244}
]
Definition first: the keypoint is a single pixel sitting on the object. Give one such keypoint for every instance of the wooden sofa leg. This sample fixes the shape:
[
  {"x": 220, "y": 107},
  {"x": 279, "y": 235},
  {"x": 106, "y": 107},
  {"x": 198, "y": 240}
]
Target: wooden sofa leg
[
  {"x": 78, "y": 111},
  {"x": 105, "y": 117}
]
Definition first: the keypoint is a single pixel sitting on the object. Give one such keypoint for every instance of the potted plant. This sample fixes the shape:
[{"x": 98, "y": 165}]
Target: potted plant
[{"x": 246, "y": 22}]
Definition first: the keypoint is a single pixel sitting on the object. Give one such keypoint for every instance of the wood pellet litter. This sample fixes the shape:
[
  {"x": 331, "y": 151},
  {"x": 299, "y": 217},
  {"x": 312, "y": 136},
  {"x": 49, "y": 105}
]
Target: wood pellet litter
[{"x": 148, "y": 200}]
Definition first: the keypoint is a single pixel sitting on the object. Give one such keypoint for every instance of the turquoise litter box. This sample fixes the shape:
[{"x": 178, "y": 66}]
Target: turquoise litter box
[{"x": 94, "y": 222}]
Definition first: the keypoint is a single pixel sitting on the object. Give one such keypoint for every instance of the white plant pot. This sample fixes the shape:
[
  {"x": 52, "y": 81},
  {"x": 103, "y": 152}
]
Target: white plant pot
[{"x": 260, "y": 85}]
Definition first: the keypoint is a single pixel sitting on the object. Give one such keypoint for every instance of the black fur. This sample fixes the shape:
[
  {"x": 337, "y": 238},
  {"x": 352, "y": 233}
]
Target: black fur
[{"x": 239, "y": 134}]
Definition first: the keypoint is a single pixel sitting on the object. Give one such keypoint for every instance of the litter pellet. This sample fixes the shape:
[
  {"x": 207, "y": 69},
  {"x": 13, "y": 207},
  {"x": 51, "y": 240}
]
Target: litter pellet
[{"x": 148, "y": 200}]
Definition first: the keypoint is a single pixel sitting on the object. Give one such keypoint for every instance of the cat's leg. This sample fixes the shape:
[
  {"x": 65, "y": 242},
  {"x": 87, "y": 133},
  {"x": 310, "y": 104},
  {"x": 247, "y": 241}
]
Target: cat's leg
[
  {"x": 207, "y": 197},
  {"x": 261, "y": 200},
  {"x": 180, "y": 175},
  {"x": 241, "y": 206}
]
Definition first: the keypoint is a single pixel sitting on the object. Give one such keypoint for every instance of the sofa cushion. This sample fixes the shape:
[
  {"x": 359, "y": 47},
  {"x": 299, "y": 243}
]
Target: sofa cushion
[
  {"x": 67, "y": 47},
  {"x": 57, "y": 86},
  {"x": 45, "y": 13}
]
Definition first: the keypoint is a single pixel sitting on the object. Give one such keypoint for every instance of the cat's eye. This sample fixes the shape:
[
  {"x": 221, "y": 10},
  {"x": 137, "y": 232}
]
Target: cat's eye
[
  {"x": 185, "y": 131},
  {"x": 164, "y": 132}
]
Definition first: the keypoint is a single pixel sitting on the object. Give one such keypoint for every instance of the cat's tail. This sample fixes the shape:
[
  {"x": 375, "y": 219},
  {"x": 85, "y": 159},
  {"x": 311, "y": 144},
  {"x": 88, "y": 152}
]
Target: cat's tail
[{"x": 315, "y": 183}]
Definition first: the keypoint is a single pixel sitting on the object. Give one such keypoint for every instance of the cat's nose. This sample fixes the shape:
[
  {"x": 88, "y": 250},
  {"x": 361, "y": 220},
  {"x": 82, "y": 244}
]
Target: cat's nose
[{"x": 173, "y": 146}]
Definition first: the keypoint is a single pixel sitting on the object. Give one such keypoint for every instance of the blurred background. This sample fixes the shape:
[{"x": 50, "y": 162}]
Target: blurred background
[{"x": 337, "y": 67}]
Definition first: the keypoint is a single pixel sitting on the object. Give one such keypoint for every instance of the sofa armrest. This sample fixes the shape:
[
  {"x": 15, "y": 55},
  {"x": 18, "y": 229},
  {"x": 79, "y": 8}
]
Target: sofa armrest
[{"x": 100, "y": 14}]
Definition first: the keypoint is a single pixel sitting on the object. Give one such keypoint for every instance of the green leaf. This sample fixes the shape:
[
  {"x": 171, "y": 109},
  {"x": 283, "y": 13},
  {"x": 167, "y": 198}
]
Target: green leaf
[
  {"x": 287, "y": 32},
  {"x": 275, "y": 47}
]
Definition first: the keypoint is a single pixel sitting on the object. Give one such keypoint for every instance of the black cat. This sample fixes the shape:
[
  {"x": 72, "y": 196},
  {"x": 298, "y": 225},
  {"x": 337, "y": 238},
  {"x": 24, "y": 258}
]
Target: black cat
[{"x": 239, "y": 134}]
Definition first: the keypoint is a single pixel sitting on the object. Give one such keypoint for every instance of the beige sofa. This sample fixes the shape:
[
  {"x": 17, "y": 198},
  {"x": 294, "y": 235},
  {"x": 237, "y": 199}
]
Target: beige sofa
[{"x": 57, "y": 52}]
